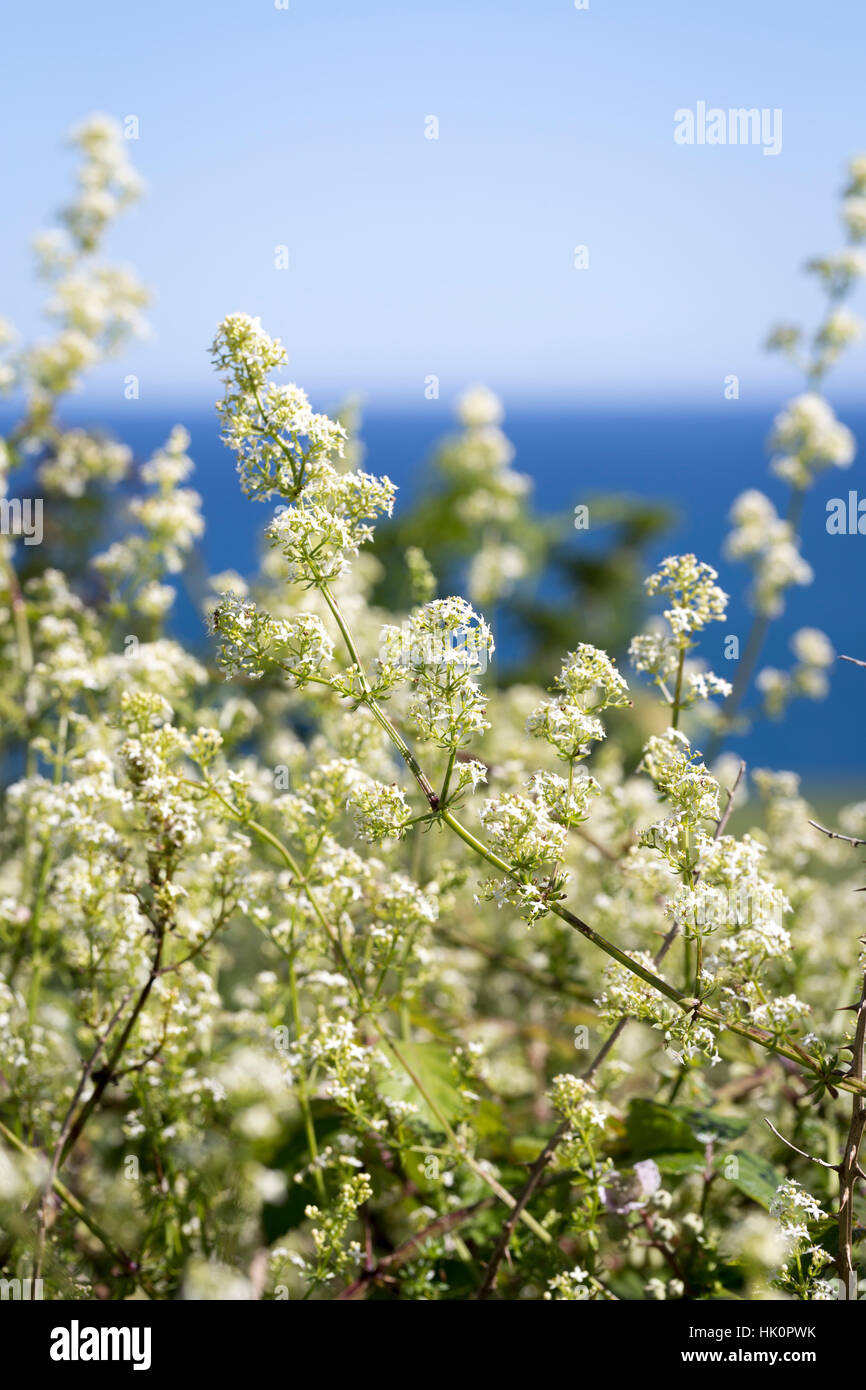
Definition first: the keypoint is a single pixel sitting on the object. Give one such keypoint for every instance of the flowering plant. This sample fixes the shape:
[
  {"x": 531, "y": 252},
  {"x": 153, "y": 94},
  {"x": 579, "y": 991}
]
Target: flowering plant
[{"x": 328, "y": 968}]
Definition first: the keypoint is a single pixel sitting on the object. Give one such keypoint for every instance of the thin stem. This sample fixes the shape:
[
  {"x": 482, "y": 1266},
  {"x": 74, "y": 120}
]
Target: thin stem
[
  {"x": 678, "y": 690},
  {"x": 446, "y": 784},
  {"x": 303, "y": 1098},
  {"x": 66, "y": 1123},
  {"x": 850, "y": 1165},
  {"x": 373, "y": 704},
  {"x": 107, "y": 1072},
  {"x": 835, "y": 835},
  {"x": 742, "y": 680},
  {"x": 42, "y": 882},
  {"x": 380, "y": 1273}
]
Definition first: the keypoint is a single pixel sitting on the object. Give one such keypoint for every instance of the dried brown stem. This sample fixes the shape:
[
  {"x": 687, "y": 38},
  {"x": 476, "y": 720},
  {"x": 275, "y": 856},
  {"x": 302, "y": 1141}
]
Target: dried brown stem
[
  {"x": 381, "y": 1271},
  {"x": 849, "y": 1168},
  {"x": 835, "y": 835}
]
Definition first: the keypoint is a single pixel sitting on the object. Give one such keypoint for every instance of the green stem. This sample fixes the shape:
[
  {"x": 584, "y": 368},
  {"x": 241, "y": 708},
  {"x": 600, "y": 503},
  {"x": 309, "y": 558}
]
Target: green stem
[
  {"x": 107, "y": 1073},
  {"x": 303, "y": 1097},
  {"x": 42, "y": 885},
  {"x": 443, "y": 795},
  {"x": 373, "y": 704},
  {"x": 745, "y": 669},
  {"x": 678, "y": 690},
  {"x": 493, "y": 1183}
]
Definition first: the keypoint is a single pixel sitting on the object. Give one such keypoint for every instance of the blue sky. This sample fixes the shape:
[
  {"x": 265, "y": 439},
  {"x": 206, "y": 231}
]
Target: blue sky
[{"x": 305, "y": 127}]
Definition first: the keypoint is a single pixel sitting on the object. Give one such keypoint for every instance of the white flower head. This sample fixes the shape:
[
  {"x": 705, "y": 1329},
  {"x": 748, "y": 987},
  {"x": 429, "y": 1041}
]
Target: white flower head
[{"x": 696, "y": 598}]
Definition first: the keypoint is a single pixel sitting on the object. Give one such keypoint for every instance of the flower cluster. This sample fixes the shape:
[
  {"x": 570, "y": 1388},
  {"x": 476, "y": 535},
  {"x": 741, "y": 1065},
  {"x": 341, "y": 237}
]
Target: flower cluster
[
  {"x": 380, "y": 812},
  {"x": 327, "y": 525},
  {"x": 588, "y": 684},
  {"x": 839, "y": 272},
  {"x": 576, "y": 1101},
  {"x": 170, "y": 515},
  {"x": 661, "y": 651},
  {"x": 626, "y": 996},
  {"x": 521, "y": 829},
  {"x": 794, "y": 1207},
  {"x": 682, "y": 780},
  {"x": 107, "y": 182},
  {"x": 769, "y": 544},
  {"x": 807, "y": 438},
  {"x": 808, "y": 676},
  {"x": 441, "y": 648},
  {"x": 695, "y": 597},
  {"x": 279, "y": 441},
  {"x": 96, "y": 307},
  {"x": 251, "y": 641},
  {"x": 333, "y": 1254},
  {"x": 567, "y": 800},
  {"x": 569, "y": 1287},
  {"x": 484, "y": 494},
  {"x": 81, "y": 457},
  {"x": 728, "y": 897}
]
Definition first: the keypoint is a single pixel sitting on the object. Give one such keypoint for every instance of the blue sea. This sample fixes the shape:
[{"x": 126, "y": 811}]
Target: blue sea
[{"x": 699, "y": 462}]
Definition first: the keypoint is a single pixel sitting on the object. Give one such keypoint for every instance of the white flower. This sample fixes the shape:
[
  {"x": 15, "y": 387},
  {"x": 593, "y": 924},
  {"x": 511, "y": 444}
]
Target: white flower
[
  {"x": 590, "y": 679},
  {"x": 793, "y": 1207},
  {"x": 670, "y": 762},
  {"x": 839, "y": 271},
  {"x": 812, "y": 647},
  {"x": 478, "y": 406},
  {"x": 329, "y": 522},
  {"x": 251, "y": 641},
  {"x": 569, "y": 805},
  {"x": 82, "y": 458},
  {"x": 245, "y": 352},
  {"x": 697, "y": 599},
  {"x": 770, "y": 546},
  {"x": 380, "y": 812},
  {"x": 439, "y": 649},
  {"x": 839, "y": 329},
  {"x": 569, "y": 1287},
  {"x": 281, "y": 444},
  {"x": 522, "y": 830},
  {"x": 655, "y": 653},
  {"x": 566, "y": 727},
  {"x": 808, "y": 438},
  {"x": 575, "y": 1100},
  {"x": 589, "y": 682},
  {"x": 494, "y": 570},
  {"x": 854, "y": 214}
]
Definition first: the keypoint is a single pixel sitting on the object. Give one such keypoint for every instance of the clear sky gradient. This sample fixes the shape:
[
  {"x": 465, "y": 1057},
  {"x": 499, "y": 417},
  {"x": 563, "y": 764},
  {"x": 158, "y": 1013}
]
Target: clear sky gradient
[{"x": 305, "y": 127}]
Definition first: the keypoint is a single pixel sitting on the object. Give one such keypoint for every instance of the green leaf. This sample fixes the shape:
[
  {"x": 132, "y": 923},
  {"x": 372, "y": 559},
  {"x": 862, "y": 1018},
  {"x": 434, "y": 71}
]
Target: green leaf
[
  {"x": 679, "y": 1162},
  {"x": 430, "y": 1062},
  {"x": 525, "y": 1148},
  {"x": 292, "y": 1155},
  {"x": 756, "y": 1177},
  {"x": 653, "y": 1128},
  {"x": 488, "y": 1119},
  {"x": 723, "y": 1129}
]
